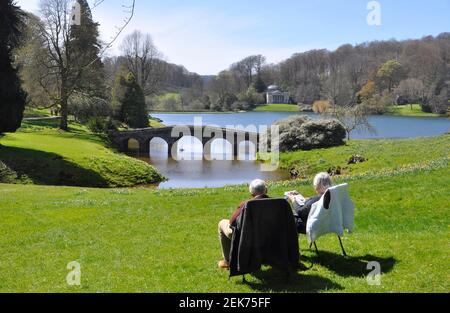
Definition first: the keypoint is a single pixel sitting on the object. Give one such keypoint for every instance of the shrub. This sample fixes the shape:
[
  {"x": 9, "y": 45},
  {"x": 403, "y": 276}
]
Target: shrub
[
  {"x": 321, "y": 106},
  {"x": 302, "y": 133},
  {"x": 99, "y": 125},
  {"x": 83, "y": 107}
]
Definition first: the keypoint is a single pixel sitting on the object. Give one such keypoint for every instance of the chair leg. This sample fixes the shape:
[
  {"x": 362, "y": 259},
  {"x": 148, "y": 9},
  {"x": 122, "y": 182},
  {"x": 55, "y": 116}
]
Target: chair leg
[
  {"x": 317, "y": 250},
  {"x": 342, "y": 246}
]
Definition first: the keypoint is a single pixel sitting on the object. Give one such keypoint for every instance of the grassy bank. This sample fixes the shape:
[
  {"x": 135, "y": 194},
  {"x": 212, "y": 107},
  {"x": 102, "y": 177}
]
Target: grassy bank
[
  {"x": 41, "y": 154},
  {"x": 143, "y": 240},
  {"x": 277, "y": 108},
  {"x": 415, "y": 111},
  {"x": 139, "y": 240},
  {"x": 380, "y": 154}
]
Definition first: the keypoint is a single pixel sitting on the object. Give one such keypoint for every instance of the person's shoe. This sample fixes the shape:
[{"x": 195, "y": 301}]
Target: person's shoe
[{"x": 224, "y": 265}]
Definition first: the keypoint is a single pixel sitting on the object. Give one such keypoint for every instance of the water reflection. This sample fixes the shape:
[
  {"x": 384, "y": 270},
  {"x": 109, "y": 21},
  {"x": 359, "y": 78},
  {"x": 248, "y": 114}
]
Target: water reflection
[{"x": 191, "y": 168}]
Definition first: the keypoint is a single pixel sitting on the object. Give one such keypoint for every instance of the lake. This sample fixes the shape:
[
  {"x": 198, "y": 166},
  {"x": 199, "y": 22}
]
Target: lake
[
  {"x": 200, "y": 173},
  {"x": 385, "y": 126}
]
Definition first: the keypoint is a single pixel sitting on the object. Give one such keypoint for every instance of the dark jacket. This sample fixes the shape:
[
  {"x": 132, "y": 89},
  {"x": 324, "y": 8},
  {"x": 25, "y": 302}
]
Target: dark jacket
[
  {"x": 265, "y": 234},
  {"x": 302, "y": 213},
  {"x": 241, "y": 206}
]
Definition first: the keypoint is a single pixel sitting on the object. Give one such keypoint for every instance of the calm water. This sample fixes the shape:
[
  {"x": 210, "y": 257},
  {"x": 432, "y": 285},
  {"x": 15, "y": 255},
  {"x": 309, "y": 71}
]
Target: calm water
[
  {"x": 199, "y": 173},
  {"x": 203, "y": 173},
  {"x": 384, "y": 126}
]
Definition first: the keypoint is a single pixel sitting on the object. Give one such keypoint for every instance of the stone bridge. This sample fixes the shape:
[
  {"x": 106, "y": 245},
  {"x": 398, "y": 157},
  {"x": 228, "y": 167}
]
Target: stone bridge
[{"x": 171, "y": 135}]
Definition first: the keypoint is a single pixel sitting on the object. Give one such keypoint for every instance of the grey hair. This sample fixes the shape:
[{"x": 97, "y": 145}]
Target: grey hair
[
  {"x": 258, "y": 187},
  {"x": 322, "y": 182}
]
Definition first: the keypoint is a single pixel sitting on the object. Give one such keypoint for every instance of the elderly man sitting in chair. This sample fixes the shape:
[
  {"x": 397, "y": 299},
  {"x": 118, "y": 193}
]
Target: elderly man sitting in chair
[
  {"x": 258, "y": 190},
  {"x": 302, "y": 206}
]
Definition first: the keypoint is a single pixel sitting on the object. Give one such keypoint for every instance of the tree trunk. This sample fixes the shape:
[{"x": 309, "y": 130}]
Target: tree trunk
[
  {"x": 64, "y": 115},
  {"x": 64, "y": 109}
]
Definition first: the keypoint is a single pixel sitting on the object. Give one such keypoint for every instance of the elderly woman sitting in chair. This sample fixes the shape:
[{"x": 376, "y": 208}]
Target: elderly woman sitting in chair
[{"x": 302, "y": 206}]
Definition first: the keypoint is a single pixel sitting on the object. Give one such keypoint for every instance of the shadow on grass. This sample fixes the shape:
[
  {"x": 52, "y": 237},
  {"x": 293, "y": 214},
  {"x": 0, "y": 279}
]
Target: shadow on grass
[
  {"x": 273, "y": 280},
  {"x": 44, "y": 168},
  {"x": 350, "y": 266}
]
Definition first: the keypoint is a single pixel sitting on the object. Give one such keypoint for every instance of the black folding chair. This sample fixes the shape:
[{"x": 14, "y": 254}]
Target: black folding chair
[{"x": 274, "y": 240}]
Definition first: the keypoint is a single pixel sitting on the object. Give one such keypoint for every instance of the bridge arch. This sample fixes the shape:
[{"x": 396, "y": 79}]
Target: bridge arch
[
  {"x": 219, "y": 149},
  {"x": 247, "y": 151},
  {"x": 158, "y": 148},
  {"x": 133, "y": 145},
  {"x": 187, "y": 148}
]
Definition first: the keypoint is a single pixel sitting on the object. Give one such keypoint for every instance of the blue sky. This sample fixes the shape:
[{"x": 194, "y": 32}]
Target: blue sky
[{"x": 206, "y": 36}]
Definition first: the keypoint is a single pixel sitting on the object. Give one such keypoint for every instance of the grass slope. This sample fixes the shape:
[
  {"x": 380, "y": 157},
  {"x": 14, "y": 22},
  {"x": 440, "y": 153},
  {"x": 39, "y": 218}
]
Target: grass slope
[
  {"x": 405, "y": 110},
  {"x": 142, "y": 240},
  {"x": 138, "y": 240},
  {"x": 277, "y": 108},
  {"x": 41, "y": 154},
  {"x": 380, "y": 154}
]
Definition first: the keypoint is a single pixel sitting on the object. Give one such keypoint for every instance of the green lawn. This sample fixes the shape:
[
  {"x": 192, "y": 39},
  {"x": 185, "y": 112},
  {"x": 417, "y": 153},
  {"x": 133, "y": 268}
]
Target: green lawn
[
  {"x": 142, "y": 240},
  {"x": 155, "y": 123},
  {"x": 405, "y": 110},
  {"x": 277, "y": 108},
  {"x": 146, "y": 240},
  {"x": 34, "y": 112},
  {"x": 41, "y": 154},
  {"x": 380, "y": 154}
]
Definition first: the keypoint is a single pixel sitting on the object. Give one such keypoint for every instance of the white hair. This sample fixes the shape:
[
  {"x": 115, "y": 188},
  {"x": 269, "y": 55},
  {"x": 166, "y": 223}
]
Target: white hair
[
  {"x": 322, "y": 182},
  {"x": 258, "y": 187}
]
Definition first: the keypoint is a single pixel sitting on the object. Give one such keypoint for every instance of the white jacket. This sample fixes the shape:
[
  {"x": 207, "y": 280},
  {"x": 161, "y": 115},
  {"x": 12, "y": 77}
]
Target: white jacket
[{"x": 339, "y": 216}]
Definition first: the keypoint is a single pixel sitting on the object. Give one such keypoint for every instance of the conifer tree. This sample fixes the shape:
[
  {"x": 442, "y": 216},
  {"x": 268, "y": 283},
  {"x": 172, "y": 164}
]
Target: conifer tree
[
  {"x": 129, "y": 102},
  {"x": 12, "y": 96}
]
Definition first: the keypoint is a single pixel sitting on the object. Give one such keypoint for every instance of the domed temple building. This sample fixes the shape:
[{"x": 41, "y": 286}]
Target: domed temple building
[{"x": 275, "y": 95}]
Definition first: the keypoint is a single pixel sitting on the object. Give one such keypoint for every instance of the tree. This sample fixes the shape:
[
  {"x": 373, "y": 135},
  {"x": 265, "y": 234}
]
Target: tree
[
  {"x": 413, "y": 90},
  {"x": 353, "y": 118},
  {"x": 246, "y": 69},
  {"x": 440, "y": 103},
  {"x": 12, "y": 96},
  {"x": 129, "y": 102},
  {"x": 143, "y": 60},
  {"x": 63, "y": 61},
  {"x": 259, "y": 84},
  {"x": 31, "y": 70},
  {"x": 321, "y": 106},
  {"x": 86, "y": 48},
  {"x": 390, "y": 74},
  {"x": 367, "y": 91}
]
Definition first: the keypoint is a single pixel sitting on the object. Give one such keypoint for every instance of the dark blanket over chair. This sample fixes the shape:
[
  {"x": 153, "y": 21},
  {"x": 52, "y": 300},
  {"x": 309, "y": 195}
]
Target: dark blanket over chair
[{"x": 265, "y": 234}]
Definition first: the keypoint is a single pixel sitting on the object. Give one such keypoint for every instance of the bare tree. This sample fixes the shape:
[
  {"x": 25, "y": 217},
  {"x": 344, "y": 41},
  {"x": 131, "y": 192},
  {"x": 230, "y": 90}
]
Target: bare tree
[
  {"x": 144, "y": 60},
  {"x": 353, "y": 118},
  {"x": 246, "y": 69},
  {"x": 413, "y": 89},
  {"x": 60, "y": 67}
]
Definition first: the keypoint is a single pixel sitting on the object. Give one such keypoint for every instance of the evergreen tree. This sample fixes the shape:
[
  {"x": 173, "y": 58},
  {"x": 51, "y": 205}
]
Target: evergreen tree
[
  {"x": 129, "y": 102},
  {"x": 12, "y": 96},
  {"x": 259, "y": 85},
  {"x": 85, "y": 47}
]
